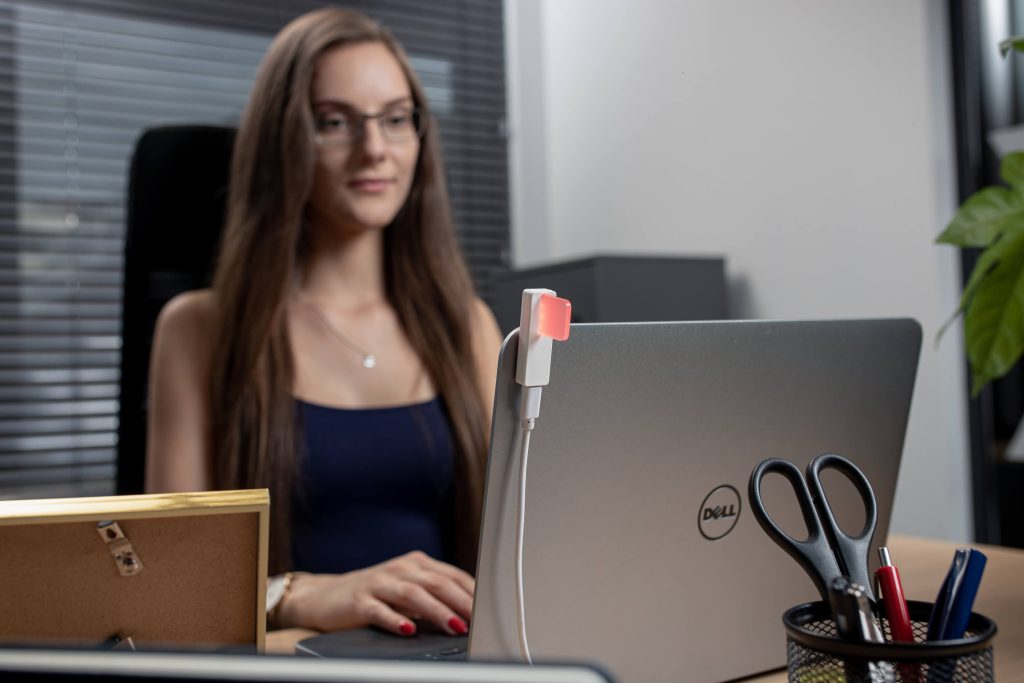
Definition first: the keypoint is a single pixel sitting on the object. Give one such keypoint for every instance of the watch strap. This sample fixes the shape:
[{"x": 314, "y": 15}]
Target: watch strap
[{"x": 286, "y": 584}]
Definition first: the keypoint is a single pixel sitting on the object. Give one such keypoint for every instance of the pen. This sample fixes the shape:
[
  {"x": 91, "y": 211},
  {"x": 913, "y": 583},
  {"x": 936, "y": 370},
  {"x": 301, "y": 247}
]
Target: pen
[
  {"x": 952, "y": 609},
  {"x": 893, "y": 602},
  {"x": 855, "y": 622},
  {"x": 854, "y": 619},
  {"x": 895, "y": 608},
  {"x": 953, "y": 605}
]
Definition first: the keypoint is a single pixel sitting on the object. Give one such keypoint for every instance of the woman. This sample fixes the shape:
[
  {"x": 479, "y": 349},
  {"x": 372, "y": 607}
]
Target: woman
[{"x": 340, "y": 358}]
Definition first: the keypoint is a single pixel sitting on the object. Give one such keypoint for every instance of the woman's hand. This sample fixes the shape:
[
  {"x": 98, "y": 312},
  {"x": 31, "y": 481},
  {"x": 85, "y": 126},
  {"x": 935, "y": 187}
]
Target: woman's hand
[{"x": 389, "y": 595}]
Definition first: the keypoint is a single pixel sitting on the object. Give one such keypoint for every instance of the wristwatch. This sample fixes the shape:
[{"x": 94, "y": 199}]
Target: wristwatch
[{"x": 277, "y": 588}]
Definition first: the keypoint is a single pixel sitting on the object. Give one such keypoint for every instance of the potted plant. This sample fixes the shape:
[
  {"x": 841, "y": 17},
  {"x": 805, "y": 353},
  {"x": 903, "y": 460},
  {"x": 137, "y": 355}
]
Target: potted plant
[{"x": 992, "y": 219}]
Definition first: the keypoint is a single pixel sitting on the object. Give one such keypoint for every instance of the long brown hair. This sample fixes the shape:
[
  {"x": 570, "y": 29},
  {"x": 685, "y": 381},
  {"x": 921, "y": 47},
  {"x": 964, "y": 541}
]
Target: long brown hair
[{"x": 255, "y": 439}]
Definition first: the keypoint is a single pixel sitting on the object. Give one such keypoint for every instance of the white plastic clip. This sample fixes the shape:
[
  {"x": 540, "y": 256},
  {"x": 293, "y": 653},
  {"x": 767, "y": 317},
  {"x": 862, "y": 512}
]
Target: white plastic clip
[{"x": 542, "y": 318}]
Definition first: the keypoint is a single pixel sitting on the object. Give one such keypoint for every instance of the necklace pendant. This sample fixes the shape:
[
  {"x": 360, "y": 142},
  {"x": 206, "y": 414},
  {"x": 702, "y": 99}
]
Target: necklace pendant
[{"x": 369, "y": 361}]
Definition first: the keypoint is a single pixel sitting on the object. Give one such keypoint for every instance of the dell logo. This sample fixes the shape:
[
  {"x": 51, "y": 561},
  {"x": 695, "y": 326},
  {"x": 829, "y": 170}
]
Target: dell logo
[{"x": 719, "y": 512}]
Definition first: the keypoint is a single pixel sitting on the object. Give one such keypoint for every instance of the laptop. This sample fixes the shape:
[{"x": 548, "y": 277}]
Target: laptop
[
  {"x": 645, "y": 430},
  {"x": 69, "y": 666}
]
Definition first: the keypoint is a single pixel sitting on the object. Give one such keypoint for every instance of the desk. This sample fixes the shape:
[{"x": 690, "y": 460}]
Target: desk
[{"x": 922, "y": 564}]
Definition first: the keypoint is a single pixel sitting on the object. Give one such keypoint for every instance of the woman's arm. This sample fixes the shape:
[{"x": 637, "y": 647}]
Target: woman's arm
[
  {"x": 388, "y": 595},
  {"x": 486, "y": 347},
  {"x": 178, "y": 447}
]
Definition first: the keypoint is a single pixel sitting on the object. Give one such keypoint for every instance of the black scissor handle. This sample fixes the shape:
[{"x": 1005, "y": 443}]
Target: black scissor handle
[
  {"x": 813, "y": 554},
  {"x": 852, "y": 551}
]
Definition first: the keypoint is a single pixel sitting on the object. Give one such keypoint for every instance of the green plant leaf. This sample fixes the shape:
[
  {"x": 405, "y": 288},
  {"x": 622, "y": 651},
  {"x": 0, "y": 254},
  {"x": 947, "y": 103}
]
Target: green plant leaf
[
  {"x": 986, "y": 263},
  {"x": 1012, "y": 169},
  {"x": 988, "y": 260},
  {"x": 984, "y": 216},
  {"x": 1014, "y": 43},
  {"x": 994, "y": 323}
]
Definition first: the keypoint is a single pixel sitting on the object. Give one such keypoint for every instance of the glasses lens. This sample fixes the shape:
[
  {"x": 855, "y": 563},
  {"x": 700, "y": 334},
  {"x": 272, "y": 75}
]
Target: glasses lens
[
  {"x": 341, "y": 128},
  {"x": 400, "y": 125},
  {"x": 335, "y": 128}
]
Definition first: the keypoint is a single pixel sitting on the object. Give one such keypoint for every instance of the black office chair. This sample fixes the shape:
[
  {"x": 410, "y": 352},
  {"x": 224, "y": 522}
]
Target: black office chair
[{"x": 176, "y": 205}]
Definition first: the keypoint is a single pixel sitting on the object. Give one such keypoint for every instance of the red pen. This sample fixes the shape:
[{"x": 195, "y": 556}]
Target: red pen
[
  {"x": 893, "y": 602},
  {"x": 895, "y": 607}
]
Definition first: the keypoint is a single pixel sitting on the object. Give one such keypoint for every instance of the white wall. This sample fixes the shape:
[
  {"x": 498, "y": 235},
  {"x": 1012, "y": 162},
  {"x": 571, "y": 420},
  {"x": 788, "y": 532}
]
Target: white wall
[{"x": 808, "y": 141}]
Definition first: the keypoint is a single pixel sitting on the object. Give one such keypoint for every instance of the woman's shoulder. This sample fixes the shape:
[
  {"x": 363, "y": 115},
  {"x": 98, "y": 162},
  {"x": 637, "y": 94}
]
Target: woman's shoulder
[
  {"x": 486, "y": 339},
  {"x": 188, "y": 317},
  {"x": 483, "y": 325},
  {"x": 193, "y": 306}
]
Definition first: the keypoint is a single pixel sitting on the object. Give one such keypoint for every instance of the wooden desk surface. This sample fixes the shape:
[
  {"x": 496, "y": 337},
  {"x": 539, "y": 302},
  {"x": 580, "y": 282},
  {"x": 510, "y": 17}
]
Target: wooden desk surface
[{"x": 922, "y": 564}]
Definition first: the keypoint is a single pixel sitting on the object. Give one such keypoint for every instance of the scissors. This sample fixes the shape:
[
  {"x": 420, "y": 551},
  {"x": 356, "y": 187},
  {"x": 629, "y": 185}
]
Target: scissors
[{"x": 828, "y": 552}]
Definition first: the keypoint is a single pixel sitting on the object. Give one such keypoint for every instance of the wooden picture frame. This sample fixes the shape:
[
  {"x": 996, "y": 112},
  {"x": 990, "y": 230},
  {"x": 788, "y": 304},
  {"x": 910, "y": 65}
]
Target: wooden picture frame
[{"x": 176, "y": 570}]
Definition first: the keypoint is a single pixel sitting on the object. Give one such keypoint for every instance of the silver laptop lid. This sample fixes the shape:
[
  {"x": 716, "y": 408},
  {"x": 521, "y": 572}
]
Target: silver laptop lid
[
  {"x": 632, "y": 556},
  {"x": 179, "y": 667}
]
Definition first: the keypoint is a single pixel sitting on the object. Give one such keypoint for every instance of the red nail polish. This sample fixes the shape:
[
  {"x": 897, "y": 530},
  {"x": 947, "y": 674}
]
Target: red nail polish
[
  {"x": 458, "y": 625},
  {"x": 406, "y": 628}
]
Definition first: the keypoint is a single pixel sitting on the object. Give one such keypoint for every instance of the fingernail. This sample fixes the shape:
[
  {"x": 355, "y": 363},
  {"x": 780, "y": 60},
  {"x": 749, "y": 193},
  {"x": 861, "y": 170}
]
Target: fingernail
[
  {"x": 458, "y": 625},
  {"x": 406, "y": 628}
]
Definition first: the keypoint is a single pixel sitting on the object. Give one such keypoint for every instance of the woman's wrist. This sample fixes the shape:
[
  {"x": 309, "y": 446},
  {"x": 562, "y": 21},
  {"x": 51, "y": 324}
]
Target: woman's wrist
[{"x": 279, "y": 614}]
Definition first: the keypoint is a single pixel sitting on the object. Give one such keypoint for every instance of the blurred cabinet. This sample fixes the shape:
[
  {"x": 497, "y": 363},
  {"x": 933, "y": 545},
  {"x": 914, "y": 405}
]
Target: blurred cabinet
[{"x": 622, "y": 289}]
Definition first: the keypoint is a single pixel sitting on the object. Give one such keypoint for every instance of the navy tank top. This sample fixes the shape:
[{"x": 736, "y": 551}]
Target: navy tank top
[{"x": 373, "y": 483}]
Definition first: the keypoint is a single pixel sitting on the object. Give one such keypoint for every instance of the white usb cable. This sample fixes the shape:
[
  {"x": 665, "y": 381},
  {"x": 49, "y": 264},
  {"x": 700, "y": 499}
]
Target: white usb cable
[{"x": 543, "y": 318}]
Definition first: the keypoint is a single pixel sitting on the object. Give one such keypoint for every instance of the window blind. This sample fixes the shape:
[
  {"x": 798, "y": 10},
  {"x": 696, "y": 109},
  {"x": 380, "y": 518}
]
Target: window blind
[{"x": 81, "y": 80}]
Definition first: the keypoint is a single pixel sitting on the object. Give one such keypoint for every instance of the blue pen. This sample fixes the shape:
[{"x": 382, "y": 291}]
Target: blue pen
[
  {"x": 944, "y": 600},
  {"x": 953, "y": 605},
  {"x": 963, "y": 602}
]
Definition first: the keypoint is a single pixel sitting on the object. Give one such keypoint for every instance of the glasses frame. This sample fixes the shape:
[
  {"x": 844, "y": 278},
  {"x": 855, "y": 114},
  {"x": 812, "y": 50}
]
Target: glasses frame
[{"x": 359, "y": 121}]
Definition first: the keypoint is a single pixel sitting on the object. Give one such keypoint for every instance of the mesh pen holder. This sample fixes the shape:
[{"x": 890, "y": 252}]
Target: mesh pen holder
[{"x": 815, "y": 653}]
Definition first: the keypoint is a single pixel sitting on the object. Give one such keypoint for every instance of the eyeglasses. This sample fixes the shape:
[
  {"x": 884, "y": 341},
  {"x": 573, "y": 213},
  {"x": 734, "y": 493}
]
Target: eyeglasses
[{"x": 340, "y": 127}]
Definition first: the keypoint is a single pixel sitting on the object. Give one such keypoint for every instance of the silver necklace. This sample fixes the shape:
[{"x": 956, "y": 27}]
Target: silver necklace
[{"x": 369, "y": 360}]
